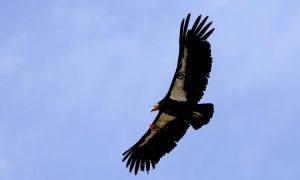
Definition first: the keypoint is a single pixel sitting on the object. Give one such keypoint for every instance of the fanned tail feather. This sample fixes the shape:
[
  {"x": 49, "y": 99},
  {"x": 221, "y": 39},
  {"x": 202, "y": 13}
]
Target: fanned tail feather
[{"x": 201, "y": 115}]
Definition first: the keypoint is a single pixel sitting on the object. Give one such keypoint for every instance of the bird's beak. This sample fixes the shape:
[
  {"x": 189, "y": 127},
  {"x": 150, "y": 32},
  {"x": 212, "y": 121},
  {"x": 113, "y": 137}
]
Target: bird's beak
[{"x": 155, "y": 107}]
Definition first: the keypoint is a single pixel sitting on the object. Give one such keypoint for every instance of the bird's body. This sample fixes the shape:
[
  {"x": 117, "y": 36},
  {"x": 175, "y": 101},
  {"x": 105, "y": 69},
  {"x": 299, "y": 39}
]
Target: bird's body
[{"x": 179, "y": 108}]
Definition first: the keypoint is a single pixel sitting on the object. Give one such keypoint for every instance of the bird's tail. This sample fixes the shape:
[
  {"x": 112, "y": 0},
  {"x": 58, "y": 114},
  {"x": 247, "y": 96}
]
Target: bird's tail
[{"x": 201, "y": 115}]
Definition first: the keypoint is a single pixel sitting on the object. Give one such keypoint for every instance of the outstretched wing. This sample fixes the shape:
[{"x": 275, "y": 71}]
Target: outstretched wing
[
  {"x": 194, "y": 62},
  {"x": 160, "y": 139}
]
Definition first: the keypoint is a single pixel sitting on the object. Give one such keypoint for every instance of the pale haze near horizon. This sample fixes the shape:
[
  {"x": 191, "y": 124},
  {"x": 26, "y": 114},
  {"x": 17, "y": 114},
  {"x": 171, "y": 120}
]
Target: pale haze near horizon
[{"x": 78, "y": 79}]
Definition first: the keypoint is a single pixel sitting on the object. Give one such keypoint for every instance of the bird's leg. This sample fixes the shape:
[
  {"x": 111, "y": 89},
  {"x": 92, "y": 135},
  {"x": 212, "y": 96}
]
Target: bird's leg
[{"x": 155, "y": 107}]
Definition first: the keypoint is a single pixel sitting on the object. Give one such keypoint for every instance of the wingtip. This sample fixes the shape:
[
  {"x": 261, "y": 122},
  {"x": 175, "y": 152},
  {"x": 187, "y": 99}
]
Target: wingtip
[
  {"x": 137, "y": 167},
  {"x": 126, "y": 152},
  {"x": 196, "y": 23},
  {"x": 135, "y": 172},
  {"x": 187, "y": 19},
  {"x": 186, "y": 24},
  {"x": 208, "y": 34},
  {"x": 205, "y": 19},
  {"x": 131, "y": 166},
  {"x": 128, "y": 163},
  {"x": 202, "y": 34}
]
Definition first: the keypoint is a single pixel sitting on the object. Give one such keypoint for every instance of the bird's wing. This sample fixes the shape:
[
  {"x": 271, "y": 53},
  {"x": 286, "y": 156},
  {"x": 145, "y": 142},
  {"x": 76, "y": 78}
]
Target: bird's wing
[
  {"x": 159, "y": 139},
  {"x": 194, "y": 62}
]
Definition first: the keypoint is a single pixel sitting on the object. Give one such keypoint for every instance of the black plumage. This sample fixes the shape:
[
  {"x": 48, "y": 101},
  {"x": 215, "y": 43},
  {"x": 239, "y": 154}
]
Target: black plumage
[{"x": 178, "y": 109}]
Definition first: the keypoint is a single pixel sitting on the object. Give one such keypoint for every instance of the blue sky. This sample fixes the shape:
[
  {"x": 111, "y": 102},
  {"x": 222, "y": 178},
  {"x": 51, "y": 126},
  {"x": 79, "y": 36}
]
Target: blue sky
[{"x": 78, "y": 79}]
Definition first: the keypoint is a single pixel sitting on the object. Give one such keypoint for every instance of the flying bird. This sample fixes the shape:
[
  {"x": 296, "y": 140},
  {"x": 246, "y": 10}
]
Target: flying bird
[{"x": 179, "y": 109}]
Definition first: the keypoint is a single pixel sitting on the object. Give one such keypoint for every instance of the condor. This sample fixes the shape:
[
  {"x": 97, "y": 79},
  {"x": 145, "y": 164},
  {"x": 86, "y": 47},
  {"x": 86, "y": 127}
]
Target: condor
[{"x": 179, "y": 109}]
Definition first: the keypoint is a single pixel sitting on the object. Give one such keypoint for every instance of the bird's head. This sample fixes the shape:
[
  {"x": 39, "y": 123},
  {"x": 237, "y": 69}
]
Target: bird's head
[{"x": 155, "y": 107}]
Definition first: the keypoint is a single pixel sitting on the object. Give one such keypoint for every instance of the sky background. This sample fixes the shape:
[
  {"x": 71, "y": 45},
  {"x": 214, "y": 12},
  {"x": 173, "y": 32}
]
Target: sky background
[{"x": 78, "y": 79}]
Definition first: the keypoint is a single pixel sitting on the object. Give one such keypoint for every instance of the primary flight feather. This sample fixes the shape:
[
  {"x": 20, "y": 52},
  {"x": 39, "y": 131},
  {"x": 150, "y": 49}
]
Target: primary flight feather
[{"x": 179, "y": 108}]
